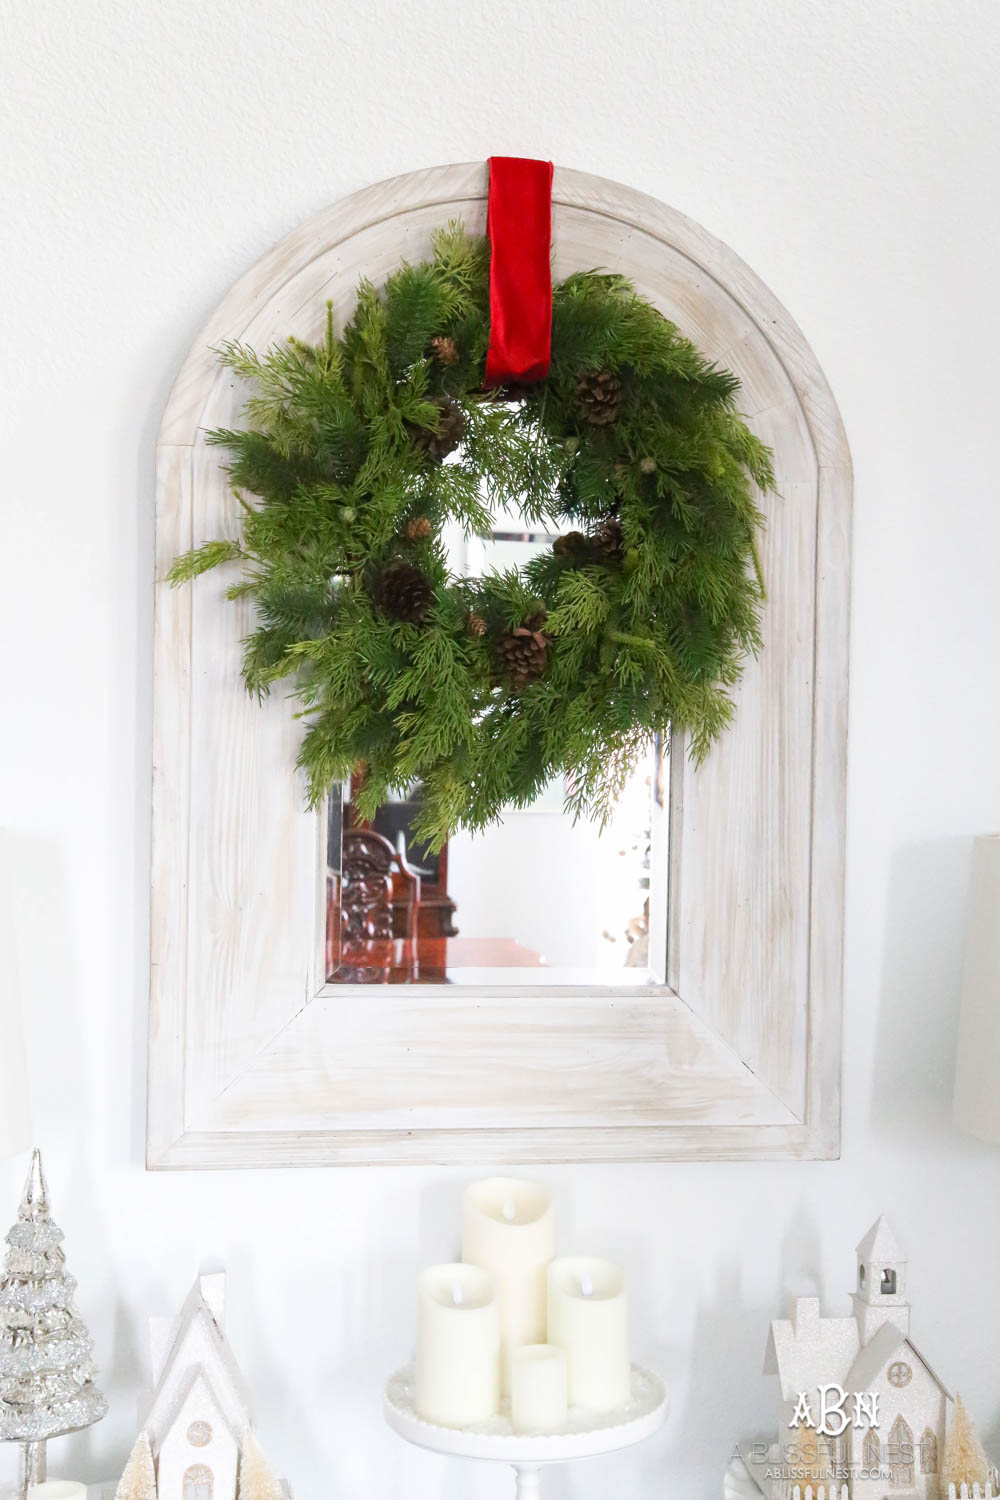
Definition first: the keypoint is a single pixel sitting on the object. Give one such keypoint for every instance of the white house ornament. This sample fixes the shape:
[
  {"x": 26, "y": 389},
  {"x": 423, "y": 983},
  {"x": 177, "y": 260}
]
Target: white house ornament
[
  {"x": 862, "y": 1413},
  {"x": 197, "y": 1441},
  {"x": 47, "y": 1373}
]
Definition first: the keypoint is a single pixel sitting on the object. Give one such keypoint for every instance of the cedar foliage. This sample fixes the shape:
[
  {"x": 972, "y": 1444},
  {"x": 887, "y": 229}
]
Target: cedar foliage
[{"x": 641, "y": 637}]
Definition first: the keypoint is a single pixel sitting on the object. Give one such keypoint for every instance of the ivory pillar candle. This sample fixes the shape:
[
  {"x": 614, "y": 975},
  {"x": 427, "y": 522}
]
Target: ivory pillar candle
[
  {"x": 977, "y": 1097},
  {"x": 539, "y": 1400},
  {"x": 588, "y": 1318},
  {"x": 458, "y": 1346},
  {"x": 508, "y": 1229}
]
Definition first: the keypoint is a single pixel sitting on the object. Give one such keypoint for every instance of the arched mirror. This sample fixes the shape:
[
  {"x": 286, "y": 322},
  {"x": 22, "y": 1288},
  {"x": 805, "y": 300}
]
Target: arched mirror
[{"x": 328, "y": 988}]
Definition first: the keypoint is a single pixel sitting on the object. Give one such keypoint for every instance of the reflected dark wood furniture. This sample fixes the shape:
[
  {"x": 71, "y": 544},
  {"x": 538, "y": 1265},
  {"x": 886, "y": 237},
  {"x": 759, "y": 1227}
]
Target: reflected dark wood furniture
[
  {"x": 390, "y": 960},
  {"x": 395, "y": 822},
  {"x": 373, "y": 910}
]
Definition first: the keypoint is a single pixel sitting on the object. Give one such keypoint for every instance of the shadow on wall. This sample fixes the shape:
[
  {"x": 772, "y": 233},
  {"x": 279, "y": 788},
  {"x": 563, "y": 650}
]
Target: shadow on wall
[
  {"x": 725, "y": 1390},
  {"x": 45, "y": 971},
  {"x": 921, "y": 975},
  {"x": 43, "y": 964}
]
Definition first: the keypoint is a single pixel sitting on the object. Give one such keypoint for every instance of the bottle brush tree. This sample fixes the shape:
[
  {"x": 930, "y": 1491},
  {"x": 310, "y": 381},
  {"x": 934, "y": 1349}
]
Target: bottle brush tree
[
  {"x": 257, "y": 1478},
  {"x": 965, "y": 1460},
  {"x": 138, "y": 1482}
]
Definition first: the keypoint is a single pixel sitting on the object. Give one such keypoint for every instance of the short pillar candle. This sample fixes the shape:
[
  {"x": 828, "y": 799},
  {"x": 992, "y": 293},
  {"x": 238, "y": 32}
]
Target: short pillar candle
[
  {"x": 458, "y": 1346},
  {"x": 508, "y": 1229},
  {"x": 539, "y": 1391},
  {"x": 588, "y": 1318}
]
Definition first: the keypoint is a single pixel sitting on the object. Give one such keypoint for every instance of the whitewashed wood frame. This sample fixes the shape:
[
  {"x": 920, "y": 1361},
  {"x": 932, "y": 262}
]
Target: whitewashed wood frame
[{"x": 253, "y": 1059}]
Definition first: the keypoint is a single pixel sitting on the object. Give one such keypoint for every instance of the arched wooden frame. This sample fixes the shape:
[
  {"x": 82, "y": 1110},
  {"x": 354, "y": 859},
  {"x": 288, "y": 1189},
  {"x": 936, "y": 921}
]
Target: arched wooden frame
[{"x": 253, "y": 1059}]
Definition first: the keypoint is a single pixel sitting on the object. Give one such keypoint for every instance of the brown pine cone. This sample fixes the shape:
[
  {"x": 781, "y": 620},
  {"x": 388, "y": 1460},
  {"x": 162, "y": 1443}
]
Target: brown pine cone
[
  {"x": 572, "y": 542},
  {"x": 444, "y": 350},
  {"x": 524, "y": 652},
  {"x": 418, "y": 528},
  {"x": 405, "y": 593},
  {"x": 475, "y": 624},
  {"x": 607, "y": 540},
  {"x": 450, "y": 430},
  {"x": 599, "y": 393}
]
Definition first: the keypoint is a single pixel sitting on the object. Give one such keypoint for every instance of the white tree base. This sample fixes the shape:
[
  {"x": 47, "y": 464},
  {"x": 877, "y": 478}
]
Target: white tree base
[{"x": 739, "y": 1483}]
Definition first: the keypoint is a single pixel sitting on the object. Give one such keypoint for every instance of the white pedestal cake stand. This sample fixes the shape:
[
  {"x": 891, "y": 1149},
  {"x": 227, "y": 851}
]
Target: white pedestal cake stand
[{"x": 587, "y": 1435}]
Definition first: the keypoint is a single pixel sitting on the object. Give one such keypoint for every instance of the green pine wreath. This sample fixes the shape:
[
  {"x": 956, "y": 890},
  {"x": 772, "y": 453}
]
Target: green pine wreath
[{"x": 360, "y": 451}]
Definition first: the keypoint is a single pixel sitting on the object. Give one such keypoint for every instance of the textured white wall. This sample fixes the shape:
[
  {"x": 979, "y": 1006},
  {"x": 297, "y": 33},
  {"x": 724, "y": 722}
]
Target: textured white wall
[{"x": 151, "y": 153}]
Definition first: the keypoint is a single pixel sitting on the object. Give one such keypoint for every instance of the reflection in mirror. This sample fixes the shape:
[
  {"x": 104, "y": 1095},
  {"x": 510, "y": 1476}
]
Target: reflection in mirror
[{"x": 536, "y": 900}]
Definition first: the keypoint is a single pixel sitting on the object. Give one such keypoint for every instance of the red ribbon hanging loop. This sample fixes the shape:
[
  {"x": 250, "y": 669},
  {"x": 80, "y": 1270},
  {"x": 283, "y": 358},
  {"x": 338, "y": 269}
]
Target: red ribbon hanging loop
[{"x": 519, "y": 226}]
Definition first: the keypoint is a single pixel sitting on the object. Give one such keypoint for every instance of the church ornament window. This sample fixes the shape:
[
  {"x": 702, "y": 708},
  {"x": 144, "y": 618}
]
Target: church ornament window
[
  {"x": 872, "y": 1451},
  {"x": 199, "y": 1434},
  {"x": 888, "y": 1282},
  {"x": 900, "y": 1374},
  {"x": 198, "y": 1483},
  {"x": 928, "y": 1453},
  {"x": 899, "y": 1454}
]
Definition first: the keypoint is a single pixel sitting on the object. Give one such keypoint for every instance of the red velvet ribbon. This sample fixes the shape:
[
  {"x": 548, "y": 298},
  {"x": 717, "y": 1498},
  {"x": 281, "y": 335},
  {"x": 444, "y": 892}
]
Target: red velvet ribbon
[{"x": 519, "y": 226}]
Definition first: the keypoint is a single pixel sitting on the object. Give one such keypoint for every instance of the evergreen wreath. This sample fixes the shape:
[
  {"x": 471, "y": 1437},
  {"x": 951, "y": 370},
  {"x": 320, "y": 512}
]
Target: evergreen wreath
[{"x": 362, "y": 449}]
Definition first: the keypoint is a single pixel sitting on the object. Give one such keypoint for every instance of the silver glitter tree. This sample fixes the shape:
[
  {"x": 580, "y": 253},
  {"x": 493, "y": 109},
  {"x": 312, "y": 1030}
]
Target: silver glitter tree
[{"x": 46, "y": 1370}]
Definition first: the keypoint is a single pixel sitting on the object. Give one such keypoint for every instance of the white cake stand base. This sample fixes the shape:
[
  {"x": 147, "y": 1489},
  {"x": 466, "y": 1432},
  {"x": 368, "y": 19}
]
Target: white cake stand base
[
  {"x": 739, "y": 1483},
  {"x": 587, "y": 1434}
]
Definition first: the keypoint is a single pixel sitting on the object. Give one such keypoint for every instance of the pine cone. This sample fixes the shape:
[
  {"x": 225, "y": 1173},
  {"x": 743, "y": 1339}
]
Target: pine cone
[
  {"x": 607, "y": 540},
  {"x": 524, "y": 651},
  {"x": 444, "y": 350},
  {"x": 599, "y": 393},
  {"x": 418, "y": 529},
  {"x": 404, "y": 592},
  {"x": 475, "y": 624},
  {"x": 450, "y": 430},
  {"x": 572, "y": 542}
]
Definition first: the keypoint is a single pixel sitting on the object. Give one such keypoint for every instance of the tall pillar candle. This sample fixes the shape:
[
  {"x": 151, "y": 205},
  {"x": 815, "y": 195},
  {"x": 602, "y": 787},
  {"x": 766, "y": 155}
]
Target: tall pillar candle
[
  {"x": 588, "y": 1318},
  {"x": 539, "y": 1399},
  {"x": 508, "y": 1229},
  {"x": 458, "y": 1346}
]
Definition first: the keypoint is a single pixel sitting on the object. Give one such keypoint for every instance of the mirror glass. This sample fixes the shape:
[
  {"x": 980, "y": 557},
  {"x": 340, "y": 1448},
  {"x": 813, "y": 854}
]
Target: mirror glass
[{"x": 536, "y": 900}]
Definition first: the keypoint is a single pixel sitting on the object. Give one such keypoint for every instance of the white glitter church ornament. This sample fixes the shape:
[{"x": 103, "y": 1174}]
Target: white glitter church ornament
[
  {"x": 46, "y": 1370},
  {"x": 196, "y": 1441},
  {"x": 862, "y": 1413}
]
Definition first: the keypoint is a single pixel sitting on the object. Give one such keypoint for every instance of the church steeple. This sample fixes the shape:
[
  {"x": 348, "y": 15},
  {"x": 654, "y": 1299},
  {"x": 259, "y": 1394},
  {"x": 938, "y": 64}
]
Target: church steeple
[{"x": 881, "y": 1291}]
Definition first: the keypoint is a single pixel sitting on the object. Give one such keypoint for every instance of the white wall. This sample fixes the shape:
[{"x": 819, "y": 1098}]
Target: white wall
[
  {"x": 565, "y": 890},
  {"x": 151, "y": 153}
]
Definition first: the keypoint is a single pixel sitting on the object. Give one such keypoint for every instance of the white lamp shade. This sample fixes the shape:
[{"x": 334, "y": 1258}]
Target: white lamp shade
[
  {"x": 15, "y": 1118},
  {"x": 977, "y": 1070}
]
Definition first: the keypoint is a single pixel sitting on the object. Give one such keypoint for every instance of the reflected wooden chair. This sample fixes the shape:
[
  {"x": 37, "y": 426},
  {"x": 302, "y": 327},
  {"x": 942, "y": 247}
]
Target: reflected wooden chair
[{"x": 377, "y": 893}]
